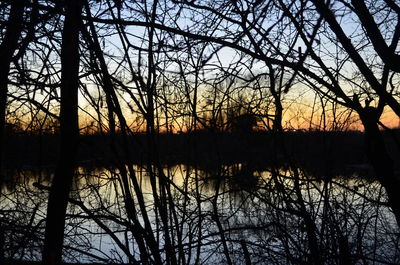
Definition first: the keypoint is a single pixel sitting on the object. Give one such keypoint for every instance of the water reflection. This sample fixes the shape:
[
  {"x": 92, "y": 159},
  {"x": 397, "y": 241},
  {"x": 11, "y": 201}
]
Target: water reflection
[{"x": 231, "y": 213}]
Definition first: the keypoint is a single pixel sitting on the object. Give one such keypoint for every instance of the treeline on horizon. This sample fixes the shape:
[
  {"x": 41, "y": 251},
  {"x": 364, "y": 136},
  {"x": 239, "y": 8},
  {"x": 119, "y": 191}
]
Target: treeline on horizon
[
  {"x": 323, "y": 153},
  {"x": 249, "y": 124}
]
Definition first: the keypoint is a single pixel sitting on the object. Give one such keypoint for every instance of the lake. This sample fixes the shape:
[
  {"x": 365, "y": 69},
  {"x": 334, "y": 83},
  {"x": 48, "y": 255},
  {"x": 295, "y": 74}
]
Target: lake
[{"x": 186, "y": 215}]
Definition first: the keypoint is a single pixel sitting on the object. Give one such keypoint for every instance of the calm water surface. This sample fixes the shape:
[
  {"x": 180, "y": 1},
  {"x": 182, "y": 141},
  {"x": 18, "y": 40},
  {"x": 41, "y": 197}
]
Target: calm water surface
[{"x": 232, "y": 212}]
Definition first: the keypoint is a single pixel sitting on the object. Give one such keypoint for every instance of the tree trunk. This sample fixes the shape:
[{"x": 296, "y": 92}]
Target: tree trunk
[
  {"x": 380, "y": 159},
  {"x": 69, "y": 131},
  {"x": 7, "y": 49}
]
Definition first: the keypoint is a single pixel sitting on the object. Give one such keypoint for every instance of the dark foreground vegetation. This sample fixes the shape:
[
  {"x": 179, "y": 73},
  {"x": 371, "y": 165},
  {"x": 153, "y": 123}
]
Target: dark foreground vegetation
[
  {"x": 21, "y": 262},
  {"x": 80, "y": 78}
]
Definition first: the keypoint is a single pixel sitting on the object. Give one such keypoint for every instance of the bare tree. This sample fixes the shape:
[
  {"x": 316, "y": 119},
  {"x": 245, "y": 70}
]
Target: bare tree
[
  {"x": 69, "y": 131},
  {"x": 311, "y": 23},
  {"x": 8, "y": 47},
  {"x": 381, "y": 91}
]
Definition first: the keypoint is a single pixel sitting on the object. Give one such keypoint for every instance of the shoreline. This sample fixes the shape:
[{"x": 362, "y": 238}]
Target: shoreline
[{"x": 323, "y": 152}]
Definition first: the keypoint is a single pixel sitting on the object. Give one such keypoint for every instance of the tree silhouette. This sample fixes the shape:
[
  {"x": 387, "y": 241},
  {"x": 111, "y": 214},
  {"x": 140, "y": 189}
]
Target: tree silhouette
[
  {"x": 69, "y": 130},
  {"x": 8, "y": 47}
]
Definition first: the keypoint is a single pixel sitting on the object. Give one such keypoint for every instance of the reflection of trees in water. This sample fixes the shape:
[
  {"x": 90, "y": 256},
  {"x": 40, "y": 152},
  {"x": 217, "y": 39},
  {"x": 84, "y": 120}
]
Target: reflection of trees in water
[
  {"x": 235, "y": 178},
  {"x": 267, "y": 217}
]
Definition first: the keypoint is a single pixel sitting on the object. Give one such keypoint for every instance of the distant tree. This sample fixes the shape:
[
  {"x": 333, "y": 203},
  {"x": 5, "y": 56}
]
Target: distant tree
[{"x": 243, "y": 123}]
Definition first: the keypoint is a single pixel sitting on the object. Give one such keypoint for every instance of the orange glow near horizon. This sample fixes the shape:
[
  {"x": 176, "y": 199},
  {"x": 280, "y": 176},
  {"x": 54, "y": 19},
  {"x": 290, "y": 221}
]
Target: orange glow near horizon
[
  {"x": 294, "y": 119},
  {"x": 299, "y": 115}
]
